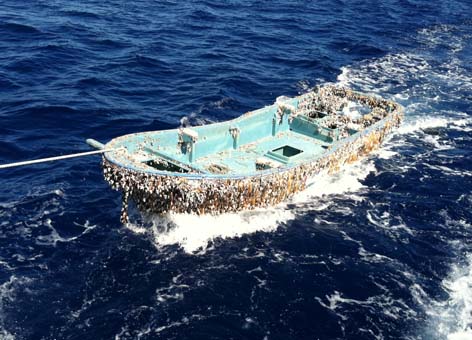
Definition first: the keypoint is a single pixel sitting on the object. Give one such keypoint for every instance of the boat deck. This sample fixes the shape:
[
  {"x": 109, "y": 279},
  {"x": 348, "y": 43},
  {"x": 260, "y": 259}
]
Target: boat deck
[
  {"x": 212, "y": 150},
  {"x": 244, "y": 158}
]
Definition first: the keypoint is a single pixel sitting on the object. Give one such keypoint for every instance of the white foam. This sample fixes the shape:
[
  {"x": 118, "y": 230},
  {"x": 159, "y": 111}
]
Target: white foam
[
  {"x": 443, "y": 119},
  {"x": 410, "y": 79},
  {"x": 376, "y": 75},
  {"x": 194, "y": 233},
  {"x": 136, "y": 228},
  {"x": 466, "y": 335},
  {"x": 442, "y": 35},
  {"x": 385, "y": 153},
  {"x": 422, "y": 83},
  {"x": 5, "y": 335},
  {"x": 54, "y": 237},
  {"x": 421, "y": 124},
  {"x": 392, "y": 308},
  {"x": 348, "y": 180},
  {"x": 8, "y": 292},
  {"x": 455, "y": 316}
]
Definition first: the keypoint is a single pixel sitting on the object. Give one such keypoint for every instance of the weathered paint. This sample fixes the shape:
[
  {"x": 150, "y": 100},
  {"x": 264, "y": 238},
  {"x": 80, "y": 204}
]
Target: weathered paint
[{"x": 221, "y": 178}]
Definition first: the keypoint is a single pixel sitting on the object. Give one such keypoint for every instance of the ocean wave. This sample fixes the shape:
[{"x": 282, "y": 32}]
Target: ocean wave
[
  {"x": 451, "y": 318},
  {"x": 13, "y": 27},
  {"x": 377, "y": 251}
]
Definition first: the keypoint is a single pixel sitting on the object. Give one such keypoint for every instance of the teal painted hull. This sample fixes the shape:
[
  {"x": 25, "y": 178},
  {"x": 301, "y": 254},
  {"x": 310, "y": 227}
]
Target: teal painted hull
[{"x": 257, "y": 159}]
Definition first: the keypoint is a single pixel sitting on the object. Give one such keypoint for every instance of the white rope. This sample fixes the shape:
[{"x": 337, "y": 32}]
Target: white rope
[{"x": 50, "y": 159}]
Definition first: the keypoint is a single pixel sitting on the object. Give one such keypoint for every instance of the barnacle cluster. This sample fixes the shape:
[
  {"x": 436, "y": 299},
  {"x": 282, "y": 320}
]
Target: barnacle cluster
[
  {"x": 329, "y": 102},
  {"x": 201, "y": 195}
]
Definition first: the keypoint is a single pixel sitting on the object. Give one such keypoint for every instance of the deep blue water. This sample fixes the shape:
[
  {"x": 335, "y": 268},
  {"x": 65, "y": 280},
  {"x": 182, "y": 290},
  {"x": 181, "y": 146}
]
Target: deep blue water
[{"x": 382, "y": 250}]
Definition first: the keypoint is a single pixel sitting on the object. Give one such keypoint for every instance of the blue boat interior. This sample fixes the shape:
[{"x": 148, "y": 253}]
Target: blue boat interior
[{"x": 259, "y": 140}]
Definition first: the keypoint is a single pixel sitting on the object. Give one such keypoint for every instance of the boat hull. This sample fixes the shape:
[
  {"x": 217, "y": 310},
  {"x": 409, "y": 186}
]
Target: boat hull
[{"x": 201, "y": 194}]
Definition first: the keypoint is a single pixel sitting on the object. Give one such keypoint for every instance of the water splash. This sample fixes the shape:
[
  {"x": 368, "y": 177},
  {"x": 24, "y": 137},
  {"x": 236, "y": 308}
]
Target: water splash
[
  {"x": 194, "y": 233},
  {"x": 8, "y": 292},
  {"x": 451, "y": 318},
  {"x": 455, "y": 319}
]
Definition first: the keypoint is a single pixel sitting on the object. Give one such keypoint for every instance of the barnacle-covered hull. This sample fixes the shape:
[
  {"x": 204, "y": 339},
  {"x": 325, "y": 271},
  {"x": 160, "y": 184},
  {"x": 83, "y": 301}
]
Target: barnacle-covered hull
[{"x": 228, "y": 167}]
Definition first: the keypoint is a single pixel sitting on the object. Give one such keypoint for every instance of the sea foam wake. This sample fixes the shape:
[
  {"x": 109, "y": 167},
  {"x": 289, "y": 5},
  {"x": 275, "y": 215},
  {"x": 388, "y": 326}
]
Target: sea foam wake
[
  {"x": 454, "y": 316},
  {"x": 425, "y": 89},
  {"x": 194, "y": 232},
  {"x": 419, "y": 86},
  {"x": 371, "y": 76},
  {"x": 379, "y": 250}
]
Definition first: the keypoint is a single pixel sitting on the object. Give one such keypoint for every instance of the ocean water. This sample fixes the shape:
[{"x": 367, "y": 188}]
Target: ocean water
[{"x": 381, "y": 250}]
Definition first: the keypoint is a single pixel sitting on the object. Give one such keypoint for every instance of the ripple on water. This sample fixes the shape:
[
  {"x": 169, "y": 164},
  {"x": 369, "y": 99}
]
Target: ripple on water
[{"x": 377, "y": 251}]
